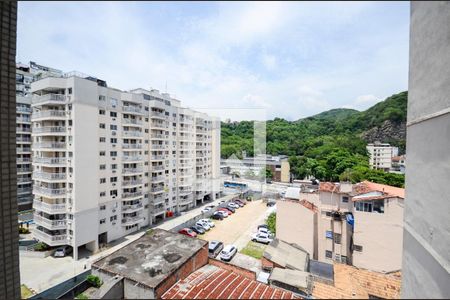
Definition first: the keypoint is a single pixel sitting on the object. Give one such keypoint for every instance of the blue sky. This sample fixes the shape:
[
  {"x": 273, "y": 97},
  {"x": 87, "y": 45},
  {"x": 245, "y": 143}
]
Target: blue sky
[{"x": 293, "y": 59}]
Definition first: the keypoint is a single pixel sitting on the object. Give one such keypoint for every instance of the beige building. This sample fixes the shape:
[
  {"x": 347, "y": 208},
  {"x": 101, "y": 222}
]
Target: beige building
[
  {"x": 380, "y": 155},
  {"x": 359, "y": 224}
]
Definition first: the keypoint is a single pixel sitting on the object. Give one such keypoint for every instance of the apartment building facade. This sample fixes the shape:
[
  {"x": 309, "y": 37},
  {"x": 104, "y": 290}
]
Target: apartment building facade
[
  {"x": 380, "y": 155},
  {"x": 107, "y": 162},
  {"x": 359, "y": 225}
]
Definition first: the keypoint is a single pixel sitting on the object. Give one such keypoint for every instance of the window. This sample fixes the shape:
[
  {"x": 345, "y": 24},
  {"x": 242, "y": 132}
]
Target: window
[
  {"x": 101, "y": 111},
  {"x": 328, "y": 254},
  {"x": 113, "y": 218},
  {"x": 102, "y": 125},
  {"x": 102, "y": 167},
  {"x": 337, "y": 238},
  {"x": 113, "y": 127},
  {"x": 364, "y": 206},
  {"x": 102, "y": 207},
  {"x": 378, "y": 206},
  {"x": 113, "y": 193},
  {"x": 102, "y": 194},
  {"x": 102, "y": 139},
  {"x": 113, "y": 114},
  {"x": 329, "y": 234},
  {"x": 345, "y": 199},
  {"x": 69, "y": 91},
  {"x": 113, "y": 179},
  {"x": 113, "y": 141},
  {"x": 114, "y": 167},
  {"x": 102, "y": 180},
  {"x": 113, "y": 153},
  {"x": 328, "y": 213},
  {"x": 101, "y": 98},
  {"x": 102, "y": 153},
  {"x": 102, "y": 221},
  {"x": 113, "y": 102},
  {"x": 357, "y": 248}
]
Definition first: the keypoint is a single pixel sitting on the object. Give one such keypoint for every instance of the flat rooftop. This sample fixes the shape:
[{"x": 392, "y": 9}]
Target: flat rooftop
[{"x": 152, "y": 258}]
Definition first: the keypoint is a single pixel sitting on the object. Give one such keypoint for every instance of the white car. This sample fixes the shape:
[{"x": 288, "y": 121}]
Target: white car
[
  {"x": 223, "y": 213},
  {"x": 62, "y": 251},
  {"x": 206, "y": 209},
  {"x": 265, "y": 231},
  {"x": 228, "y": 252},
  {"x": 208, "y": 221},
  {"x": 261, "y": 237},
  {"x": 221, "y": 202},
  {"x": 203, "y": 225},
  {"x": 233, "y": 205}
]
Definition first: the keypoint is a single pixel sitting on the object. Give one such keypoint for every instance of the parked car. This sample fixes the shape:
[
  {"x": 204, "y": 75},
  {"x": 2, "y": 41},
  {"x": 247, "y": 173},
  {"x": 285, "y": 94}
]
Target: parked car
[
  {"x": 203, "y": 225},
  {"x": 265, "y": 230},
  {"x": 211, "y": 206},
  {"x": 188, "y": 232},
  {"x": 261, "y": 237},
  {"x": 206, "y": 209},
  {"x": 221, "y": 202},
  {"x": 228, "y": 252},
  {"x": 263, "y": 226},
  {"x": 63, "y": 251},
  {"x": 233, "y": 205},
  {"x": 218, "y": 216},
  {"x": 241, "y": 201},
  {"x": 208, "y": 221},
  {"x": 214, "y": 248},
  {"x": 231, "y": 208},
  {"x": 198, "y": 229},
  {"x": 227, "y": 210},
  {"x": 238, "y": 203}
]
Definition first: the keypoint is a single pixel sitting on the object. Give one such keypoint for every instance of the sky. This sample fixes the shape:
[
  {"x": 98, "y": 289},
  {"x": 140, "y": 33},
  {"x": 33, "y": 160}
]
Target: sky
[{"x": 288, "y": 59}]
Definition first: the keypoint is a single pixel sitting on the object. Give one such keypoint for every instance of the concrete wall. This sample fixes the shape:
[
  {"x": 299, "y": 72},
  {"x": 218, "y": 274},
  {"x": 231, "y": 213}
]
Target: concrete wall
[
  {"x": 285, "y": 171},
  {"x": 381, "y": 237},
  {"x": 426, "y": 244},
  {"x": 295, "y": 224},
  {"x": 9, "y": 249}
]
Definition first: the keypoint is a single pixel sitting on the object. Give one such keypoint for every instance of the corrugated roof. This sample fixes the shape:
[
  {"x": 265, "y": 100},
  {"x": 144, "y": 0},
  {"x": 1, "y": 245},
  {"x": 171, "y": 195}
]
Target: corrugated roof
[
  {"x": 292, "y": 193},
  {"x": 295, "y": 278},
  {"x": 211, "y": 282},
  {"x": 287, "y": 255}
]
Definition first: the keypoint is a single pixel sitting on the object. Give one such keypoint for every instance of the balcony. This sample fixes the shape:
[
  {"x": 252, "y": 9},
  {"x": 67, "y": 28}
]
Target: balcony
[
  {"x": 50, "y": 224},
  {"x": 23, "y": 170},
  {"x": 49, "y": 130},
  {"x": 157, "y": 199},
  {"x": 51, "y": 240},
  {"x": 23, "y": 160},
  {"x": 23, "y": 120},
  {"x": 48, "y": 99},
  {"x": 158, "y": 210},
  {"x": 186, "y": 174},
  {"x": 131, "y": 220},
  {"x": 132, "y": 170},
  {"x": 46, "y": 176},
  {"x": 49, "y": 208},
  {"x": 23, "y": 139},
  {"x": 23, "y": 129},
  {"x": 132, "y": 146},
  {"x": 130, "y": 195},
  {"x": 157, "y": 157},
  {"x": 21, "y": 109},
  {"x": 129, "y": 121},
  {"x": 156, "y": 114},
  {"x": 158, "y": 136},
  {"x": 155, "y": 190},
  {"x": 157, "y": 147},
  {"x": 132, "y": 134},
  {"x": 156, "y": 125},
  {"x": 157, "y": 168},
  {"x": 48, "y": 114},
  {"x": 49, "y": 145},
  {"x": 132, "y": 158},
  {"x": 186, "y": 201},
  {"x": 185, "y": 166},
  {"x": 157, "y": 179},
  {"x": 49, "y": 192},
  {"x": 132, "y": 182},
  {"x": 23, "y": 191},
  {"x": 24, "y": 180},
  {"x": 52, "y": 161},
  {"x": 132, "y": 208},
  {"x": 186, "y": 121},
  {"x": 132, "y": 109}
]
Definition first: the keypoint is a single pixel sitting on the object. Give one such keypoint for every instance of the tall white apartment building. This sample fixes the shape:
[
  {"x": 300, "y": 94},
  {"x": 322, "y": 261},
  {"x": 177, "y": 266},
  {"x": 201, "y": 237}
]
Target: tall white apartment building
[
  {"x": 107, "y": 162},
  {"x": 381, "y": 155}
]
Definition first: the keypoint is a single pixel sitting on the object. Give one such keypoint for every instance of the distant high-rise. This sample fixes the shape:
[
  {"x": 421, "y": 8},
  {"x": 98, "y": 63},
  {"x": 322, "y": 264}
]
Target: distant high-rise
[
  {"x": 9, "y": 233},
  {"x": 426, "y": 238}
]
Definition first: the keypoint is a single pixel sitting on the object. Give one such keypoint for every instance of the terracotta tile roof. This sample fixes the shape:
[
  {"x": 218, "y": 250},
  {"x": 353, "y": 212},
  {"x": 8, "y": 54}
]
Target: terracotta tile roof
[
  {"x": 367, "y": 186},
  {"x": 211, "y": 282},
  {"x": 309, "y": 205},
  {"x": 351, "y": 282},
  {"x": 328, "y": 187}
]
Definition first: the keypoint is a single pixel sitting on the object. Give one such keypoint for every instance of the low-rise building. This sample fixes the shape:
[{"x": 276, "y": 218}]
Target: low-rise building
[
  {"x": 399, "y": 164},
  {"x": 380, "y": 155}
]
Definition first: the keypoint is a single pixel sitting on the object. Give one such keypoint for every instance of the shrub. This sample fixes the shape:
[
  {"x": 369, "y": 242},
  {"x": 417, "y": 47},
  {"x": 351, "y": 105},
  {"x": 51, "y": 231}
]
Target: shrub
[
  {"x": 41, "y": 246},
  {"x": 23, "y": 230},
  {"x": 271, "y": 222},
  {"x": 94, "y": 280},
  {"x": 81, "y": 296}
]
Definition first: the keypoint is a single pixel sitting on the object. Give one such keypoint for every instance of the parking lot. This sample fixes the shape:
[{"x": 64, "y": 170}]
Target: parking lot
[{"x": 238, "y": 227}]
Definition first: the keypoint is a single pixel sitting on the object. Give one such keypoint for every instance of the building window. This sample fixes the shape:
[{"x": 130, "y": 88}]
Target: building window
[
  {"x": 363, "y": 206},
  {"x": 113, "y": 127},
  {"x": 328, "y": 254},
  {"x": 102, "y": 207},
  {"x": 114, "y": 167},
  {"x": 101, "y": 98},
  {"x": 113, "y": 218},
  {"x": 113, "y": 153},
  {"x": 102, "y": 167},
  {"x": 102, "y": 153},
  {"x": 328, "y": 234},
  {"x": 345, "y": 199},
  {"x": 328, "y": 213},
  {"x": 357, "y": 248},
  {"x": 113, "y": 179},
  {"x": 102, "y": 180},
  {"x": 101, "y": 111},
  {"x": 378, "y": 206},
  {"x": 69, "y": 91},
  {"x": 102, "y": 139},
  {"x": 113, "y": 102},
  {"x": 337, "y": 238},
  {"x": 102, "y": 221},
  {"x": 113, "y": 193},
  {"x": 113, "y": 114},
  {"x": 102, "y": 194},
  {"x": 113, "y": 141},
  {"x": 102, "y": 125}
]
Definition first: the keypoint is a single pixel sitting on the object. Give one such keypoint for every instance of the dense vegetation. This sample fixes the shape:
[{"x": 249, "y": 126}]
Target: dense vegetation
[{"x": 327, "y": 146}]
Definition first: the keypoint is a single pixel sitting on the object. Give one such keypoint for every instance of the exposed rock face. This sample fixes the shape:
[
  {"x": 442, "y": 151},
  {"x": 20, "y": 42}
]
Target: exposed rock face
[{"x": 388, "y": 131}]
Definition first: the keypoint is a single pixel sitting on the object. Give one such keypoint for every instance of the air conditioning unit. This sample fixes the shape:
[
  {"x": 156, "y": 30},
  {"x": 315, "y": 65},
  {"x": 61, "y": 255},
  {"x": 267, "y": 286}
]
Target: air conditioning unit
[
  {"x": 114, "y": 223},
  {"x": 114, "y": 171},
  {"x": 114, "y": 197},
  {"x": 114, "y": 184},
  {"x": 114, "y": 133},
  {"x": 113, "y": 119},
  {"x": 113, "y": 158},
  {"x": 113, "y": 210}
]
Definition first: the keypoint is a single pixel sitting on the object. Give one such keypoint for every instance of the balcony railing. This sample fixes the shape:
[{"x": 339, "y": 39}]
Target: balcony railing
[
  {"x": 132, "y": 157},
  {"x": 157, "y": 157},
  {"x": 24, "y": 179},
  {"x": 157, "y": 168},
  {"x": 23, "y": 149},
  {"x": 158, "y": 136},
  {"x": 54, "y": 208},
  {"x": 49, "y": 224},
  {"x": 131, "y": 182},
  {"x": 155, "y": 147},
  {"x": 132, "y": 170},
  {"x": 21, "y": 109},
  {"x": 49, "y": 176},
  {"x": 132, "y": 133},
  {"x": 132, "y": 109},
  {"x": 54, "y": 145},
  {"x": 157, "y": 189},
  {"x": 131, "y": 195},
  {"x": 49, "y": 129},
  {"x": 50, "y": 160},
  {"x": 132, "y": 121},
  {"x": 55, "y": 98},
  {"x": 23, "y": 170},
  {"x": 158, "y": 210},
  {"x": 131, "y": 220},
  {"x": 132, "y": 146},
  {"x": 52, "y": 240},
  {"x": 159, "y": 125},
  {"x": 48, "y": 114},
  {"x": 157, "y": 114},
  {"x": 23, "y": 160},
  {"x": 23, "y": 129},
  {"x": 157, "y": 178},
  {"x": 49, "y": 191},
  {"x": 132, "y": 207},
  {"x": 21, "y": 191},
  {"x": 23, "y": 119},
  {"x": 23, "y": 139}
]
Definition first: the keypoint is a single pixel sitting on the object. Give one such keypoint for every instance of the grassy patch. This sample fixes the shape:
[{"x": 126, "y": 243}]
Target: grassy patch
[
  {"x": 81, "y": 296},
  {"x": 254, "y": 250},
  {"x": 25, "y": 292}
]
